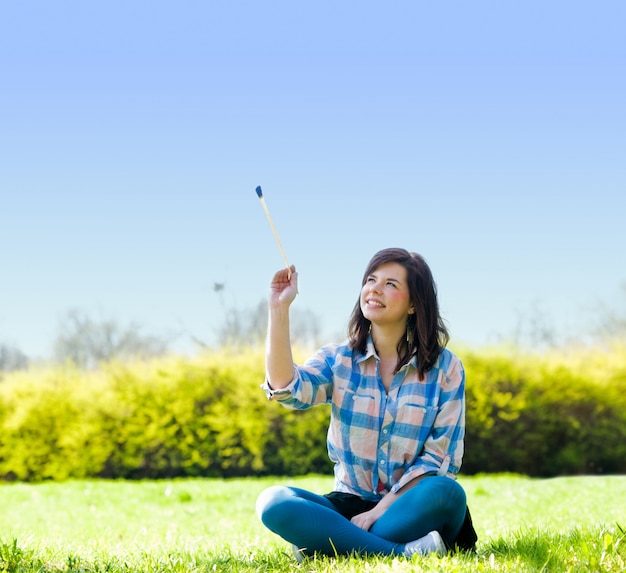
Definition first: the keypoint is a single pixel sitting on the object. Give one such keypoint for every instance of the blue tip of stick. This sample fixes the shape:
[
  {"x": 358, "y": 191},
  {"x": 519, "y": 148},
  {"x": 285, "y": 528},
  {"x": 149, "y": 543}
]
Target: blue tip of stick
[{"x": 259, "y": 192}]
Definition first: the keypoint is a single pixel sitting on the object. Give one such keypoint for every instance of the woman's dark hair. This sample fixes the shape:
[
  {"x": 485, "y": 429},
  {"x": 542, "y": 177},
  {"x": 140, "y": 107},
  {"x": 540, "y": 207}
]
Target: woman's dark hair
[{"x": 425, "y": 328}]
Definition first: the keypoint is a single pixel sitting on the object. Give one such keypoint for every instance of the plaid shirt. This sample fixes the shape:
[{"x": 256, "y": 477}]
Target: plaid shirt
[{"x": 380, "y": 441}]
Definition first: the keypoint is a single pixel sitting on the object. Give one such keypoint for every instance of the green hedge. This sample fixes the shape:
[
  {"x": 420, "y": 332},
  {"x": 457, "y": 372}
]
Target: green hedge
[
  {"x": 540, "y": 415},
  {"x": 546, "y": 415},
  {"x": 166, "y": 418}
]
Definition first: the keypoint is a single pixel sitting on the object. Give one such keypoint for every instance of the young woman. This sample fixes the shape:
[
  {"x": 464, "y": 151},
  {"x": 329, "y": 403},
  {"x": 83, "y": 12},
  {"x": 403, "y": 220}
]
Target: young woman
[{"x": 396, "y": 432}]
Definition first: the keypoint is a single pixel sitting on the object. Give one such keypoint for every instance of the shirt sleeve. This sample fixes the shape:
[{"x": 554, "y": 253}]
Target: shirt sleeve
[
  {"x": 276, "y": 394},
  {"x": 311, "y": 384},
  {"x": 442, "y": 453}
]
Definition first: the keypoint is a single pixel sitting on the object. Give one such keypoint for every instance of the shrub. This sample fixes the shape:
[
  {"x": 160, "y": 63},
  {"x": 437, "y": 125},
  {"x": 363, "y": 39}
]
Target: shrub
[
  {"x": 546, "y": 415},
  {"x": 158, "y": 419},
  {"x": 540, "y": 415},
  {"x": 50, "y": 423}
]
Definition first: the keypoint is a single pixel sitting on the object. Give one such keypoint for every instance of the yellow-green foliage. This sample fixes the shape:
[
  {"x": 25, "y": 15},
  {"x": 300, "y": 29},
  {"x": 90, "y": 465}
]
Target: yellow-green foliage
[
  {"x": 171, "y": 417},
  {"x": 543, "y": 414},
  {"x": 50, "y": 424},
  {"x": 554, "y": 413}
]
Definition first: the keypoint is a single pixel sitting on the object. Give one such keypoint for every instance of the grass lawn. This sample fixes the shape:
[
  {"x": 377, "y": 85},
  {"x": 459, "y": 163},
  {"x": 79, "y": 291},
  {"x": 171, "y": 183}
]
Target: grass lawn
[{"x": 562, "y": 524}]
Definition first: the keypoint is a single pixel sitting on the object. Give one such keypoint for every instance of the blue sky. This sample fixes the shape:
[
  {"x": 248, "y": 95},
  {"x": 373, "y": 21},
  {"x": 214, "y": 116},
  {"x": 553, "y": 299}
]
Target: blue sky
[{"x": 488, "y": 136}]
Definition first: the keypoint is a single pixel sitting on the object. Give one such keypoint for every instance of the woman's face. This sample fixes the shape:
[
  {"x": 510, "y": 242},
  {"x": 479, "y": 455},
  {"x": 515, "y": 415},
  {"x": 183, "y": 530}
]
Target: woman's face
[{"x": 385, "y": 295}]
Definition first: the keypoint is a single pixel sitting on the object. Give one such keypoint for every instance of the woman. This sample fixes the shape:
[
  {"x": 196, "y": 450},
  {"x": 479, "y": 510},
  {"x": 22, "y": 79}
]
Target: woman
[{"x": 396, "y": 432}]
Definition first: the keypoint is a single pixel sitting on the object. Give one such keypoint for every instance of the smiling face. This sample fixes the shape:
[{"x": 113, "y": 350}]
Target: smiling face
[{"x": 385, "y": 297}]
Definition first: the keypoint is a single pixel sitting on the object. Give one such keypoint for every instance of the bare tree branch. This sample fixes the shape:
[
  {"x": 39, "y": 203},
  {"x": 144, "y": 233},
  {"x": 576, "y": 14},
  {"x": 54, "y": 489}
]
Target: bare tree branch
[
  {"x": 12, "y": 358},
  {"x": 87, "y": 342}
]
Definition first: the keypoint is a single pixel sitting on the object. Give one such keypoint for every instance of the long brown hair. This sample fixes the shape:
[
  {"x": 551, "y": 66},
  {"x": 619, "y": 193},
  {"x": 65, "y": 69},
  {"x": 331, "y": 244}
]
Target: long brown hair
[{"x": 426, "y": 330}]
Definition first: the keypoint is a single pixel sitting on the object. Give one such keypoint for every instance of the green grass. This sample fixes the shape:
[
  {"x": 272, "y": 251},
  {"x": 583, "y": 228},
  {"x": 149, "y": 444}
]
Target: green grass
[{"x": 570, "y": 524}]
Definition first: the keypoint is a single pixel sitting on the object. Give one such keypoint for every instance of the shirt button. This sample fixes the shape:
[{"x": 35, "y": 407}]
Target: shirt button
[
  {"x": 385, "y": 431},
  {"x": 382, "y": 462}
]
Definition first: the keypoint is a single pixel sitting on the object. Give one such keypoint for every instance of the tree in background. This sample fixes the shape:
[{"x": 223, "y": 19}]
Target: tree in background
[
  {"x": 248, "y": 327},
  {"x": 604, "y": 321},
  {"x": 535, "y": 329},
  {"x": 610, "y": 319},
  {"x": 87, "y": 342},
  {"x": 12, "y": 358}
]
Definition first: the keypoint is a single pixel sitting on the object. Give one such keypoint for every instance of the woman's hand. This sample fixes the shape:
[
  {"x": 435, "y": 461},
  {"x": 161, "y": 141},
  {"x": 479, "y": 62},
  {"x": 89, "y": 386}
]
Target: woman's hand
[
  {"x": 367, "y": 519},
  {"x": 284, "y": 287}
]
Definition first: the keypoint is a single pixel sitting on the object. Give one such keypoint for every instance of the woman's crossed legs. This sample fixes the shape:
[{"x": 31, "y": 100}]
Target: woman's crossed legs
[{"x": 311, "y": 522}]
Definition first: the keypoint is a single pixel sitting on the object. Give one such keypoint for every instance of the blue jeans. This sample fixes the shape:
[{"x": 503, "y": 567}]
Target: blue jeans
[{"x": 313, "y": 523}]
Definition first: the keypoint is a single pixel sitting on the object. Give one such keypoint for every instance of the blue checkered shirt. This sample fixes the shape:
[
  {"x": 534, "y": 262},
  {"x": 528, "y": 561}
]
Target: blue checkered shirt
[{"x": 378, "y": 440}]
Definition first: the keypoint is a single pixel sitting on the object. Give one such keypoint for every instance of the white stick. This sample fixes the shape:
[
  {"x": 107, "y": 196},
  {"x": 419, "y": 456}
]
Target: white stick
[{"x": 269, "y": 218}]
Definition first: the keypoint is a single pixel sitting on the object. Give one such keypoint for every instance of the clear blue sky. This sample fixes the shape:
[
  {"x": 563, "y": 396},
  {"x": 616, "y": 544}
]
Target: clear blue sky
[{"x": 488, "y": 136}]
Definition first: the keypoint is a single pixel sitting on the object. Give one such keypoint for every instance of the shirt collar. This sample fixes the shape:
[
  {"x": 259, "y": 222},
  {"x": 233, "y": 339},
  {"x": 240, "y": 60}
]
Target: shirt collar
[{"x": 370, "y": 352}]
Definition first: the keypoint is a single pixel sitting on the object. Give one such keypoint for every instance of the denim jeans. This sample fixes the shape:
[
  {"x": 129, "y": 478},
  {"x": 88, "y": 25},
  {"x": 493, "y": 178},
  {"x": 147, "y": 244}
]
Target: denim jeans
[{"x": 313, "y": 523}]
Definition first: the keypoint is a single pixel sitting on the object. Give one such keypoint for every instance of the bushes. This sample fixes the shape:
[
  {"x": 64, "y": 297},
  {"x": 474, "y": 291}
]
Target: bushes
[
  {"x": 160, "y": 419},
  {"x": 50, "y": 425},
  {"x": 540, "y": 415},
  {"x": 546, "y": 415}
]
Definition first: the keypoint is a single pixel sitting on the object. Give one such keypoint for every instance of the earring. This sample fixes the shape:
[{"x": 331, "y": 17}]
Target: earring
[{"x": 409, "y": 335}]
